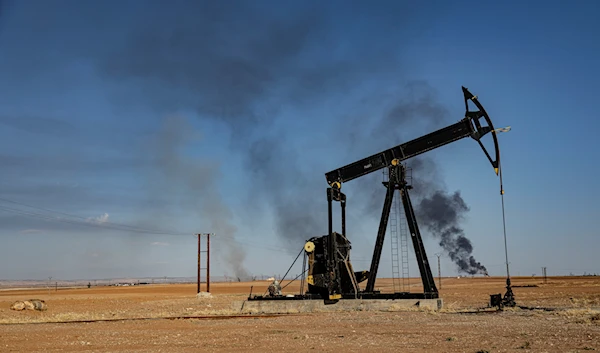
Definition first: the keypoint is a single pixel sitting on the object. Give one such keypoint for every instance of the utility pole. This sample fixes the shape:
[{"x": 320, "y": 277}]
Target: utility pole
[
  {"x": 208, "y": 262},
  {"x": 439, "y": 255},
  {"x": 207, "y": 268},
  {"x": 544, "y": 274}
]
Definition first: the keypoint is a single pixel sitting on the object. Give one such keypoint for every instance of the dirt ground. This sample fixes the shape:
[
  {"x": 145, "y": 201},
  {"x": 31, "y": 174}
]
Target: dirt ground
[{"x": 169, "y": 318}]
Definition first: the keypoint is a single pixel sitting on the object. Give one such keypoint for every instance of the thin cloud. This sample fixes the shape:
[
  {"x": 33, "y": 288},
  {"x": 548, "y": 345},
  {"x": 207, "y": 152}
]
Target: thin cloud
[
  {"x": 30, "y": 231},
  {"x": 159, "y": 243},
  {"x": 99, "y": 220},
  {"x": 38, "y": 125}
]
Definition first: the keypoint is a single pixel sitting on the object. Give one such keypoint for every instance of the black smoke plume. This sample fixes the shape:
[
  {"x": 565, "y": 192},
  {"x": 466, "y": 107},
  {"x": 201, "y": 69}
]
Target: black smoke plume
[{"x": 441, "y": 213}]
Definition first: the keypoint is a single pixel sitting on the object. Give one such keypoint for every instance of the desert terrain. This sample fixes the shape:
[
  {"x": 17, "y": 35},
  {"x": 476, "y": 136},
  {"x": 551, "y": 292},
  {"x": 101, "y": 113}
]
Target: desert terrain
[{"x": 562, "y": 315}]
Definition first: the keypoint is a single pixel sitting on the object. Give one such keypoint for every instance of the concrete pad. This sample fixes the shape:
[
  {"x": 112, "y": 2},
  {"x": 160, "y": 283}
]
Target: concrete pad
[{"x": 303, "y": 306}]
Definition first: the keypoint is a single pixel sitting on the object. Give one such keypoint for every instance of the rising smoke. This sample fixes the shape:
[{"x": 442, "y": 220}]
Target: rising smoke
[
  {"x": 194, "y": 184},
  {"x": 243, "y": 67},
  {"x": 438, "y": 211},
  {"x": 415, "y": 111},
  {"x": 248, "y": 66},
  {"x": 292, "y": 194},
  {"x": 441, "y": 213}
]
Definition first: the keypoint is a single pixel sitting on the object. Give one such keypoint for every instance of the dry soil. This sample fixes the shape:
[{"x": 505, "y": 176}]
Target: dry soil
[{"x": 169, "y": 318}]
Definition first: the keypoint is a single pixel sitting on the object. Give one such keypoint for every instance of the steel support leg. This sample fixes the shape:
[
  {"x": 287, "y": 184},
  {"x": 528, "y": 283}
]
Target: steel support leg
[
  {"x": 429, "y": 287},
  {"x": 385, "y": 215},
  {"x": 343, "y": 203}
]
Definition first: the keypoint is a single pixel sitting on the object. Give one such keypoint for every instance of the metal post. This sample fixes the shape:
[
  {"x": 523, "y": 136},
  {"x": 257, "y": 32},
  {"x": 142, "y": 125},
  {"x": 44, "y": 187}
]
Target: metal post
[
  {"x": 439, "y": 270},
  {"x": 343, "y": 202},
  {"x": 208, "y": 262},
  {"x": 331, "y": 241},
  {"x": 329, "y": 210}
]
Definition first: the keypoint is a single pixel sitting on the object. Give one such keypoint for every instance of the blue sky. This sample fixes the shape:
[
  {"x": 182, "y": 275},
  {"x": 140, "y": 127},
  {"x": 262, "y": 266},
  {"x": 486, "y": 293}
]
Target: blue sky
[{"x": 197, "y": 117}]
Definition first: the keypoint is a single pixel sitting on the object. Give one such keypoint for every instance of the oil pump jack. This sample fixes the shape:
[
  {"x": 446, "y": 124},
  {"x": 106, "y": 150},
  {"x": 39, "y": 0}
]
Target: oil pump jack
[{"x": 330, "y": 273}]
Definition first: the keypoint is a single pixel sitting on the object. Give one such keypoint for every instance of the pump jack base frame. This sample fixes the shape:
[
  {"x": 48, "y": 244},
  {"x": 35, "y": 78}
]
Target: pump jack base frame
[
  {"x": 301, "y": 304},
  {"x": 373, "y": 295}
]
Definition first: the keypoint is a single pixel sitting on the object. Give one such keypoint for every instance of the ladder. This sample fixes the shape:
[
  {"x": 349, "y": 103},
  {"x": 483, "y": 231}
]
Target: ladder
[
  {"x": 403, "y": 233},
  {"x": 394, "y": 240},
  {"x": 404, "y": 236},
  {"x": 398, "y": 235}
]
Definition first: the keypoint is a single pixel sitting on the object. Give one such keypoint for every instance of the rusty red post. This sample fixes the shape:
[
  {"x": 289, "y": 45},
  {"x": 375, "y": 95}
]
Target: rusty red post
[
  {"x": 208, "y": 262},
  {"x": 199, "y": 238}
]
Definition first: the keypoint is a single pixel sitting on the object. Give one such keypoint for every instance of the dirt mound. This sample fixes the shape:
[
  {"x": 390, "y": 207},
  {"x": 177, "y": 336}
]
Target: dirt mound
[
  {"x": 31, "y": 304},
  {"x": 204, "y": 295}
]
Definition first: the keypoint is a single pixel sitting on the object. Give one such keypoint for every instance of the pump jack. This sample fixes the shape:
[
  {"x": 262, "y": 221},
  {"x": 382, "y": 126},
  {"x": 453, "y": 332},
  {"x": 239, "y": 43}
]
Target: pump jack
[{"x": 330, "y": 274}]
